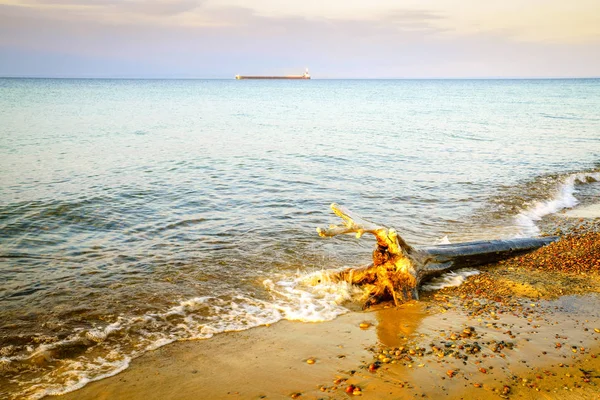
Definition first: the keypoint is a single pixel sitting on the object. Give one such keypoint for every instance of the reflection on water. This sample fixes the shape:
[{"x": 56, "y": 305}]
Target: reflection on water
[{"x": 396, "y": 325}]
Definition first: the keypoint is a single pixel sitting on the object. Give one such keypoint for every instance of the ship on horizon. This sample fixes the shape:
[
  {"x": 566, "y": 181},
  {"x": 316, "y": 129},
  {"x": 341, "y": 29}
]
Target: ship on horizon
[{"x": 306, "y": 75}]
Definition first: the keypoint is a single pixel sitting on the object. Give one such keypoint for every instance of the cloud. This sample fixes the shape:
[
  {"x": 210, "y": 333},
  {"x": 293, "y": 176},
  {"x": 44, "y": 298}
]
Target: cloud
[
  {"x": 22, "y": 25},
  {"x": 163, "y": 8},
  {"x": 101, "y": 38},
  {"x": 122, "y": 12}
]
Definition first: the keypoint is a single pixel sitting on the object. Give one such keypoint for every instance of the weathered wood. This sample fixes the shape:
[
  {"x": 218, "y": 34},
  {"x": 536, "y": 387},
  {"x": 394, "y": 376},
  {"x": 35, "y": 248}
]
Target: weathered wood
[{"x": 398, "y": 268}]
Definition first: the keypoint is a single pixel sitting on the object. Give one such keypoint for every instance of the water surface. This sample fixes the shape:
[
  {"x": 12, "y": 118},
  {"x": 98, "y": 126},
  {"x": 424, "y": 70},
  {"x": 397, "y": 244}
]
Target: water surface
[{"x": 138, "y": 212}]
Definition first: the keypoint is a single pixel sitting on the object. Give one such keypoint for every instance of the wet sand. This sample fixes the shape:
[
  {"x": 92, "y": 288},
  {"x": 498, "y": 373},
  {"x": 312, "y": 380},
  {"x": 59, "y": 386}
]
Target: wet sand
[
  {"x": 542, "y": 349},
  {"x": 265, "y": 361},
  {"x": 589, "y": 211},
  {"x": 522, "y": 329}
]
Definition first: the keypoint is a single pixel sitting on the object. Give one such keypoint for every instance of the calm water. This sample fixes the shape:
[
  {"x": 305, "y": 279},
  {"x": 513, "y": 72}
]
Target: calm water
[{"x": 134, "y": 213}]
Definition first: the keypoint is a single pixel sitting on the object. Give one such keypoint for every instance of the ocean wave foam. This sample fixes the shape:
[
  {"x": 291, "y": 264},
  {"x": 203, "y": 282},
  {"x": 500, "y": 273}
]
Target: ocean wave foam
[
  {"x": 563, "y": 197},
  {"x": 312, "y": 297},
  {"x": 77, "y": 375},
  {"x": 105, "y": 351},
  {"x": 443, "y": 240},
  {"x": 308, "y": 297},
  {"x": 449, "y": 279}
]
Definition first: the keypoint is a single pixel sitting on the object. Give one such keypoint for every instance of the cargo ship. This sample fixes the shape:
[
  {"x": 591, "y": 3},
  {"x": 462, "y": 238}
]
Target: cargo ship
[{"x": 306, "y": 75}]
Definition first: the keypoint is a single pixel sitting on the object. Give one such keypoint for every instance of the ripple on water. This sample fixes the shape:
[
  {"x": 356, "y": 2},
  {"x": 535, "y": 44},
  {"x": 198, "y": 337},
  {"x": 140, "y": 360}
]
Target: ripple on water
[{"x": 123, "y": 202}]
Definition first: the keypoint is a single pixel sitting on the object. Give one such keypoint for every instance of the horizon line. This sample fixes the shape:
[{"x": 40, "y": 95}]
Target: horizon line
[{"x": 312, "y": 78}]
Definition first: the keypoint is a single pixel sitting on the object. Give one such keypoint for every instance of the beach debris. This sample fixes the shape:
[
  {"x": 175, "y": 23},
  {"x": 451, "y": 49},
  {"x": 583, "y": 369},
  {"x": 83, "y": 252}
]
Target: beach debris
[
  {"x": 398, "y": 268},
  {"x": 573, "y": 254},
  {"x": 311, "y": 360},
  {"x": 365, "y": 325},
  {"x": 485, "y": 348},
  {"x": 295, "y": 395},
  {"x": 353, "y": 390}
]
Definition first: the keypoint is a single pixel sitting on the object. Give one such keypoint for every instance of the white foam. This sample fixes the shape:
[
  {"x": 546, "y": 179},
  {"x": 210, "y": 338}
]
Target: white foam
[
  {"x": 449, "y": 279},
  {"x": 100, "y": 335},
  {"x": 311, "y": 297},
  {"x": 443, "y": 240},
  {"x": 196, "y": 318},
  {"x": 308, "y": 297},
  {"x": 304, "y": 297},
  {"x": 562, "y": 198},
  {"x": 78, "y": 375}
]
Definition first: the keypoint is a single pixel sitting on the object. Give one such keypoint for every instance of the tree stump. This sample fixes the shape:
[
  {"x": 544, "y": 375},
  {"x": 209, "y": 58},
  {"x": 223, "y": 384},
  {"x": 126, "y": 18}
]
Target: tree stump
[{"x": 398, "y": 268}]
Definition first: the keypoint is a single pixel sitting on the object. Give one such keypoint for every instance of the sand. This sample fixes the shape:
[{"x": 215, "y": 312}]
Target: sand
[
  {"x": 589, "y": 211},
  {"x": 516, "y": 330},
  {"x": 265, "y": 361},
  {"x": 270, "y": 362}
]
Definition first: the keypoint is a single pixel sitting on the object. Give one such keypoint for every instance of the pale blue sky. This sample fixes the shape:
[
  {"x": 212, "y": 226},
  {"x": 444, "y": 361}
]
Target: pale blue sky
[{"x": 336, "y": 39}]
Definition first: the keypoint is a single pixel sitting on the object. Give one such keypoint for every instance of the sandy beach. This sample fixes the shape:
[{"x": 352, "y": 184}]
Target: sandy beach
[
  {"x": 521, "y": 329},
  {"x": 547, "y": 348},
  {"x": 589, "y": 212}
]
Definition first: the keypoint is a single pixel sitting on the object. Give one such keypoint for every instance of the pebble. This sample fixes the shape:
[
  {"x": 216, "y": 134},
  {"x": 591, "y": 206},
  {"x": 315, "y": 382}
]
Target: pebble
[
  {"x": 311, "y": 361},
  {"x": 364, "y": 325},
  {"x": 573, "y": 254},
  {"x": 471, "y": 347},
  {"x": 469, "y": 331}
]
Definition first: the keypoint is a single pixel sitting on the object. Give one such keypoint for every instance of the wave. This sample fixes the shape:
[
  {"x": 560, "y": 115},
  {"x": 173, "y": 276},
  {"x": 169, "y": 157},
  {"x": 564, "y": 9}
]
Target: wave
[
  {"x": 96, "y": 353},
  {"x": 560, "y": 194},
  {"x": 103, "y": 350},
  {"x": 449, "y": 279},
  {"x": 563, "y": 196}
]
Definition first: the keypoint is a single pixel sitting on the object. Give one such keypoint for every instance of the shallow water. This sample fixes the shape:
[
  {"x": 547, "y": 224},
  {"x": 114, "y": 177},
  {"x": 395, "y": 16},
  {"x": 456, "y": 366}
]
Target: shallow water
[{"x": 135, "y": 213}]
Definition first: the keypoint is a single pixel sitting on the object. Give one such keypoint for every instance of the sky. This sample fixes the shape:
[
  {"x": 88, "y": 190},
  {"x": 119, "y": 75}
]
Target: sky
[{"x": 334, "y": 38}]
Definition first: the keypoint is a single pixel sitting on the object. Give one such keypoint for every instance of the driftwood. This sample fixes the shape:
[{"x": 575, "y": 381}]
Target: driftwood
[{"x": 398, "y": 268}]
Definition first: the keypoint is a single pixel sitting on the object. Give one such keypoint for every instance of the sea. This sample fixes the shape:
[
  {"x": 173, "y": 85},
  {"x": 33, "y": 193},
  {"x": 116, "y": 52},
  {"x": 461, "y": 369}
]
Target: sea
[{"x": 136, "y": 213}]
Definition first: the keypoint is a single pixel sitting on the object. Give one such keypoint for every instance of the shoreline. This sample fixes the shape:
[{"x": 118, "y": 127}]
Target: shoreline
[
  {"x": 271, "y": 362},
  {"x": 263, "y": 361},
  {"x": 532, "y": 331},
  {"x": 129, "y": 230}
]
